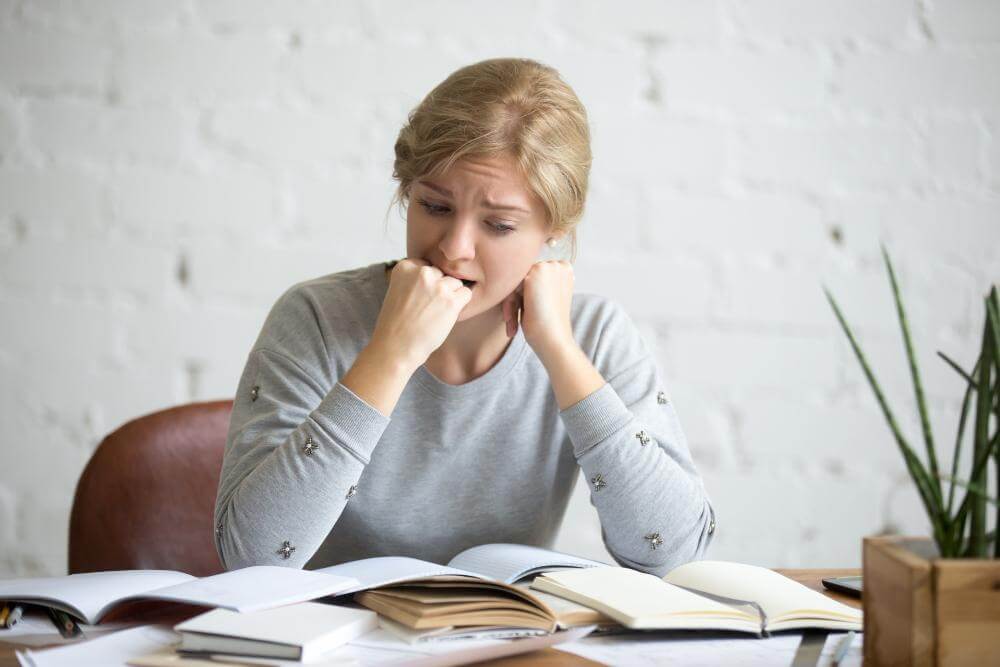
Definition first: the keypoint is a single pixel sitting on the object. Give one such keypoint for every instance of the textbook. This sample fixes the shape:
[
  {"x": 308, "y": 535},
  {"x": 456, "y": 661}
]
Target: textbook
[
  {"x": 705, "y": 594},
  {"x": 90, "y": 596},
  {"x": 300, "y": 631},
  {"x": 568, "y": 615},
  {"x": 475, "y": 588}
]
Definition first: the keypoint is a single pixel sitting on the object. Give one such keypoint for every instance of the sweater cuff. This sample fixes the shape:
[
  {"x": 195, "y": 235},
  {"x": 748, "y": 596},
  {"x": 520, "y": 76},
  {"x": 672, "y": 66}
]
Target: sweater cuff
[
  {"x": 591, "y": 420},
  {"x": 350, "y": 421}
]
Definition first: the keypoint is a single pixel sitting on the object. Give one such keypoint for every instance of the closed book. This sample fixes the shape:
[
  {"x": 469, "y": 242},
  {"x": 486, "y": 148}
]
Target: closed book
[{"x": 301, "y": 631}]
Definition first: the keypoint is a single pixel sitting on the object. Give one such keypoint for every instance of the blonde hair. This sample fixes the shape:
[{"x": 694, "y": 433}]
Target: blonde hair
[{"x": 515, "y": 106}]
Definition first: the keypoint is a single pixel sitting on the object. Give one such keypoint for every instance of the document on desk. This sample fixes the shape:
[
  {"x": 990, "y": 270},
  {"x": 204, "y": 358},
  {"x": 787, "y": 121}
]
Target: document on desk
[
  {"x": 110, "y": 650},
  {"x": 704, "y": 650},
  {"x": 380, "y": 648}
]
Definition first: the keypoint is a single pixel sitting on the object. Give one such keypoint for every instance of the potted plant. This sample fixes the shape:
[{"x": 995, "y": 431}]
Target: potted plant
[{"x": 936, "y": 601}]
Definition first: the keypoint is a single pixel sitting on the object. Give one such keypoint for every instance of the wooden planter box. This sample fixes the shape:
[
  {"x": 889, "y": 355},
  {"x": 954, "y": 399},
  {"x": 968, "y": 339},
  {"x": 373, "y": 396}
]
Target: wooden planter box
[{"x": 923, "y": 610}]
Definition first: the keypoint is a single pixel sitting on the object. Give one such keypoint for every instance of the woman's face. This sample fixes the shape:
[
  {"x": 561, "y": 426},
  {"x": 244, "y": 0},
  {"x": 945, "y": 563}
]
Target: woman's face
[{"x": 481, "y": 222}]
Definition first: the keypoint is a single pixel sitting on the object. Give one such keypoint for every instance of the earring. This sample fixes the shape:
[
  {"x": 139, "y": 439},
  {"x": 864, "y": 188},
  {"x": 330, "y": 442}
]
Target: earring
[{"x": 552, "y": 243}]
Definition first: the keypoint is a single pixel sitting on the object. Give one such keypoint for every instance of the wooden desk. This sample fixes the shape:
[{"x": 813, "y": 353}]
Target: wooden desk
[{"x": 549, "y": 657}]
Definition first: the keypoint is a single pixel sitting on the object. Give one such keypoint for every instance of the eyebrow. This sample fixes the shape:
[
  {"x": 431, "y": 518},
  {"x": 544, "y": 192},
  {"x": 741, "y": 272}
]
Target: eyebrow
[{"x": 486, "y": 202}]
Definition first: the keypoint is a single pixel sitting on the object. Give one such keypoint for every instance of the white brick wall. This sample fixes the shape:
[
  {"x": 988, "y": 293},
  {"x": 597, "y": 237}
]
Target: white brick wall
[{"x": 167, "y": 169}]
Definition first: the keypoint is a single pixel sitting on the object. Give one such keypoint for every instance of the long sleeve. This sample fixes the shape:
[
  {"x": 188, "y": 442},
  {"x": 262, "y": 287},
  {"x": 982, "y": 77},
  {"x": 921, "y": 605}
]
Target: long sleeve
[
  {"x": 294, "y": 453},
  {"x": 654, "y": 511}
]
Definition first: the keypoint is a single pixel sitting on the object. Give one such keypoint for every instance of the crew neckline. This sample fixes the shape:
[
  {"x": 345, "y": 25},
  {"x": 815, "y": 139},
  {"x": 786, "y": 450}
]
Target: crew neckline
[{"x": 485, "y": 382}]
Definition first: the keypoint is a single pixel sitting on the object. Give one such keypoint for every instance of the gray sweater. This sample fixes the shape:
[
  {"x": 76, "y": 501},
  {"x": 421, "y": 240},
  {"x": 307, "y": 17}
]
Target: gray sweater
[{"x": 314, "y": 476}]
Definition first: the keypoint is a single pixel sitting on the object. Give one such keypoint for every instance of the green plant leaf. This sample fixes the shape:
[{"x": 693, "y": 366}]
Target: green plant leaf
[
  {"x": 978, "y": 466},
  {"x": 973, "y": 488},
  {"x": 969, "y": 388},
  {"x": 983, "y": 445},
  {"x": 958, "y": 369},
  {"x": 963, "y": 548},
  {"x": 993, "y": 315},
  {"x": 932, "y": 502},
  {"x": 918, "y": 388}
]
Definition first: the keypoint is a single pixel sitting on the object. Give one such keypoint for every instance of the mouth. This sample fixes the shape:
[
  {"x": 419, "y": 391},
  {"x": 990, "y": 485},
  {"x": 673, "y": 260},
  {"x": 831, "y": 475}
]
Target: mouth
[{"x": 465, "y": 281}]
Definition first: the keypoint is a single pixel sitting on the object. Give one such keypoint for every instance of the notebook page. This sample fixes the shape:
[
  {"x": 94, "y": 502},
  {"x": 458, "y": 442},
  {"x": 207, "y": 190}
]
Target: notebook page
[
  {"x": 634, "y": 598},
  {"x": 384, "y": 570},
  {"x": 117, "y": 648},
  {"x": 510, "y": 562},
  {"x": 777, "y": 595},
  {"x": 89, "y": 594},
  {"x": 563, "y": 608},
  {"x": 253, "y": 588}
]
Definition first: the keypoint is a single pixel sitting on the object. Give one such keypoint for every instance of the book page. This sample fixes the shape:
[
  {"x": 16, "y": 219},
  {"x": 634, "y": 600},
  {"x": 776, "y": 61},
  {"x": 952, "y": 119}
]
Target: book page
[
  {"x": 510, "y": 562},
  {"x": 384, "y": 570},
  {"x": 569, "y": 613},
  {"x": 88, "y": 595},
  {"x": 253, "y": 588},
  {"x": 780, "y": 597},
  {"x": 638, "y": 600}
]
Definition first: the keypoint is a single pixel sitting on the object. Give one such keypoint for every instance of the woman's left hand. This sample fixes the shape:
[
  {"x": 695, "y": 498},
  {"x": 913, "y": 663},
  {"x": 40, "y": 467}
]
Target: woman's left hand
[{"x": 543, "y": 300}]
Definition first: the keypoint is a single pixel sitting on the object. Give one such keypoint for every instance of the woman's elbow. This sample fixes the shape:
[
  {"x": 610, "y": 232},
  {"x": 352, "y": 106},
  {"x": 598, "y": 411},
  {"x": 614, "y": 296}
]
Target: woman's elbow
[{"x": 690, "y": 547}]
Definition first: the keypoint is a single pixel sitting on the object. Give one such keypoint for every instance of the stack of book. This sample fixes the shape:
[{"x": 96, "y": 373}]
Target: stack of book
[
  {"x": 530, "y": 590},
  {"x": 494, "y": 590}
]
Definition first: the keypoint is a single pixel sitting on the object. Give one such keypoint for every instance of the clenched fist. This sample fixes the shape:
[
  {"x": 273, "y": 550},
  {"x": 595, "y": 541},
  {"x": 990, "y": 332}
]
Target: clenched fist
[{"x": 419, "y": 311}]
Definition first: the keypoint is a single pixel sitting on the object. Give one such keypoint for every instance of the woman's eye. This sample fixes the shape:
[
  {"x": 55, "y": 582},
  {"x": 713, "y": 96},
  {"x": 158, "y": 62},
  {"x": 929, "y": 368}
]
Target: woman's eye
[
  {"x": 433, "y": 209},
  {"x": 436, "y": 209},
  {"x": 501, "y": 229}
]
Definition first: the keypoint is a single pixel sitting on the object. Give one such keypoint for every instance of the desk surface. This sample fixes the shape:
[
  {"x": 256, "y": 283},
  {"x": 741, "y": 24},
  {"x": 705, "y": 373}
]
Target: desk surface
[{"x": 553, "y": 657}]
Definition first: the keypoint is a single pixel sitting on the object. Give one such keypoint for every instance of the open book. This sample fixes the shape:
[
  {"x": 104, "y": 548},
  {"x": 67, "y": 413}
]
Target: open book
[
  {"x": 90, "y": 596},
  {"x": 476, "y": 588},
  {"x": 703, "y": 594}
]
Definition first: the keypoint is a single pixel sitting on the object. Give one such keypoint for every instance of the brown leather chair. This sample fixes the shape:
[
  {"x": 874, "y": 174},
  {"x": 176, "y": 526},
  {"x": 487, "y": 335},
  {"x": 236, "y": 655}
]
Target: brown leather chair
[{"x": 146, "y": 497}]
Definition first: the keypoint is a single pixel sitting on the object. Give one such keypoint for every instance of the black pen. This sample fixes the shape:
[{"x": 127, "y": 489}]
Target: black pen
[{"x": 64, "y": 623}]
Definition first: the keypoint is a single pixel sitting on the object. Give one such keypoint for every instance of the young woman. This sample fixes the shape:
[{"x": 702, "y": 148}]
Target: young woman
[{"x": 449, "y": 399}]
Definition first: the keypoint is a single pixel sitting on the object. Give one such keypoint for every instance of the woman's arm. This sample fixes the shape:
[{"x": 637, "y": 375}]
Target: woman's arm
[
  {"x": 652, "y": 504},
  {"x": 654, "y": 511},
  {"x": 296, "y": 446},
  {"x": 293, "y": 459}
]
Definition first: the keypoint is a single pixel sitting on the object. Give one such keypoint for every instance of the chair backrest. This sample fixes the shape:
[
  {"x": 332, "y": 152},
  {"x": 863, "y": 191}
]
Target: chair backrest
[{"x": 146, "y": 498}]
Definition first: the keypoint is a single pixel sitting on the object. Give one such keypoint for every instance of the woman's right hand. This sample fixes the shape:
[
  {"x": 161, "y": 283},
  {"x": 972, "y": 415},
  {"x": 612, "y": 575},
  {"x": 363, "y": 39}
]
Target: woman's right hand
[{"x": 420, "y": 309}]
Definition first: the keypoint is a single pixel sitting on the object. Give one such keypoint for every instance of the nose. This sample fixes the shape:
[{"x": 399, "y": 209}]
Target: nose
[{"x": 459, "y": 240}]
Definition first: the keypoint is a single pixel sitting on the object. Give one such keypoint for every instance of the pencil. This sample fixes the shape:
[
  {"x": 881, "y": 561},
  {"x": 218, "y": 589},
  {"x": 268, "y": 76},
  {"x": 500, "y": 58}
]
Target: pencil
[
  {"x": 4, "y": 613},
  {"x": 64, "y": 623}
]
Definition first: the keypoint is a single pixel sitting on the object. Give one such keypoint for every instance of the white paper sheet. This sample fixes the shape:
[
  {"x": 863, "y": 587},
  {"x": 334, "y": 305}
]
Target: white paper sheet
[
  {"x": 705, "y": 650},
  {"x": 692, "y": 649},
  {"x": 380, "y": 648},
  {"x": 852, "y": 658},
  {"x": 512, "y": 562},
  {"x": 384, "y": 570},
  {"x": 254, "y": 588},
  {"x": 111, "y": 650}
]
